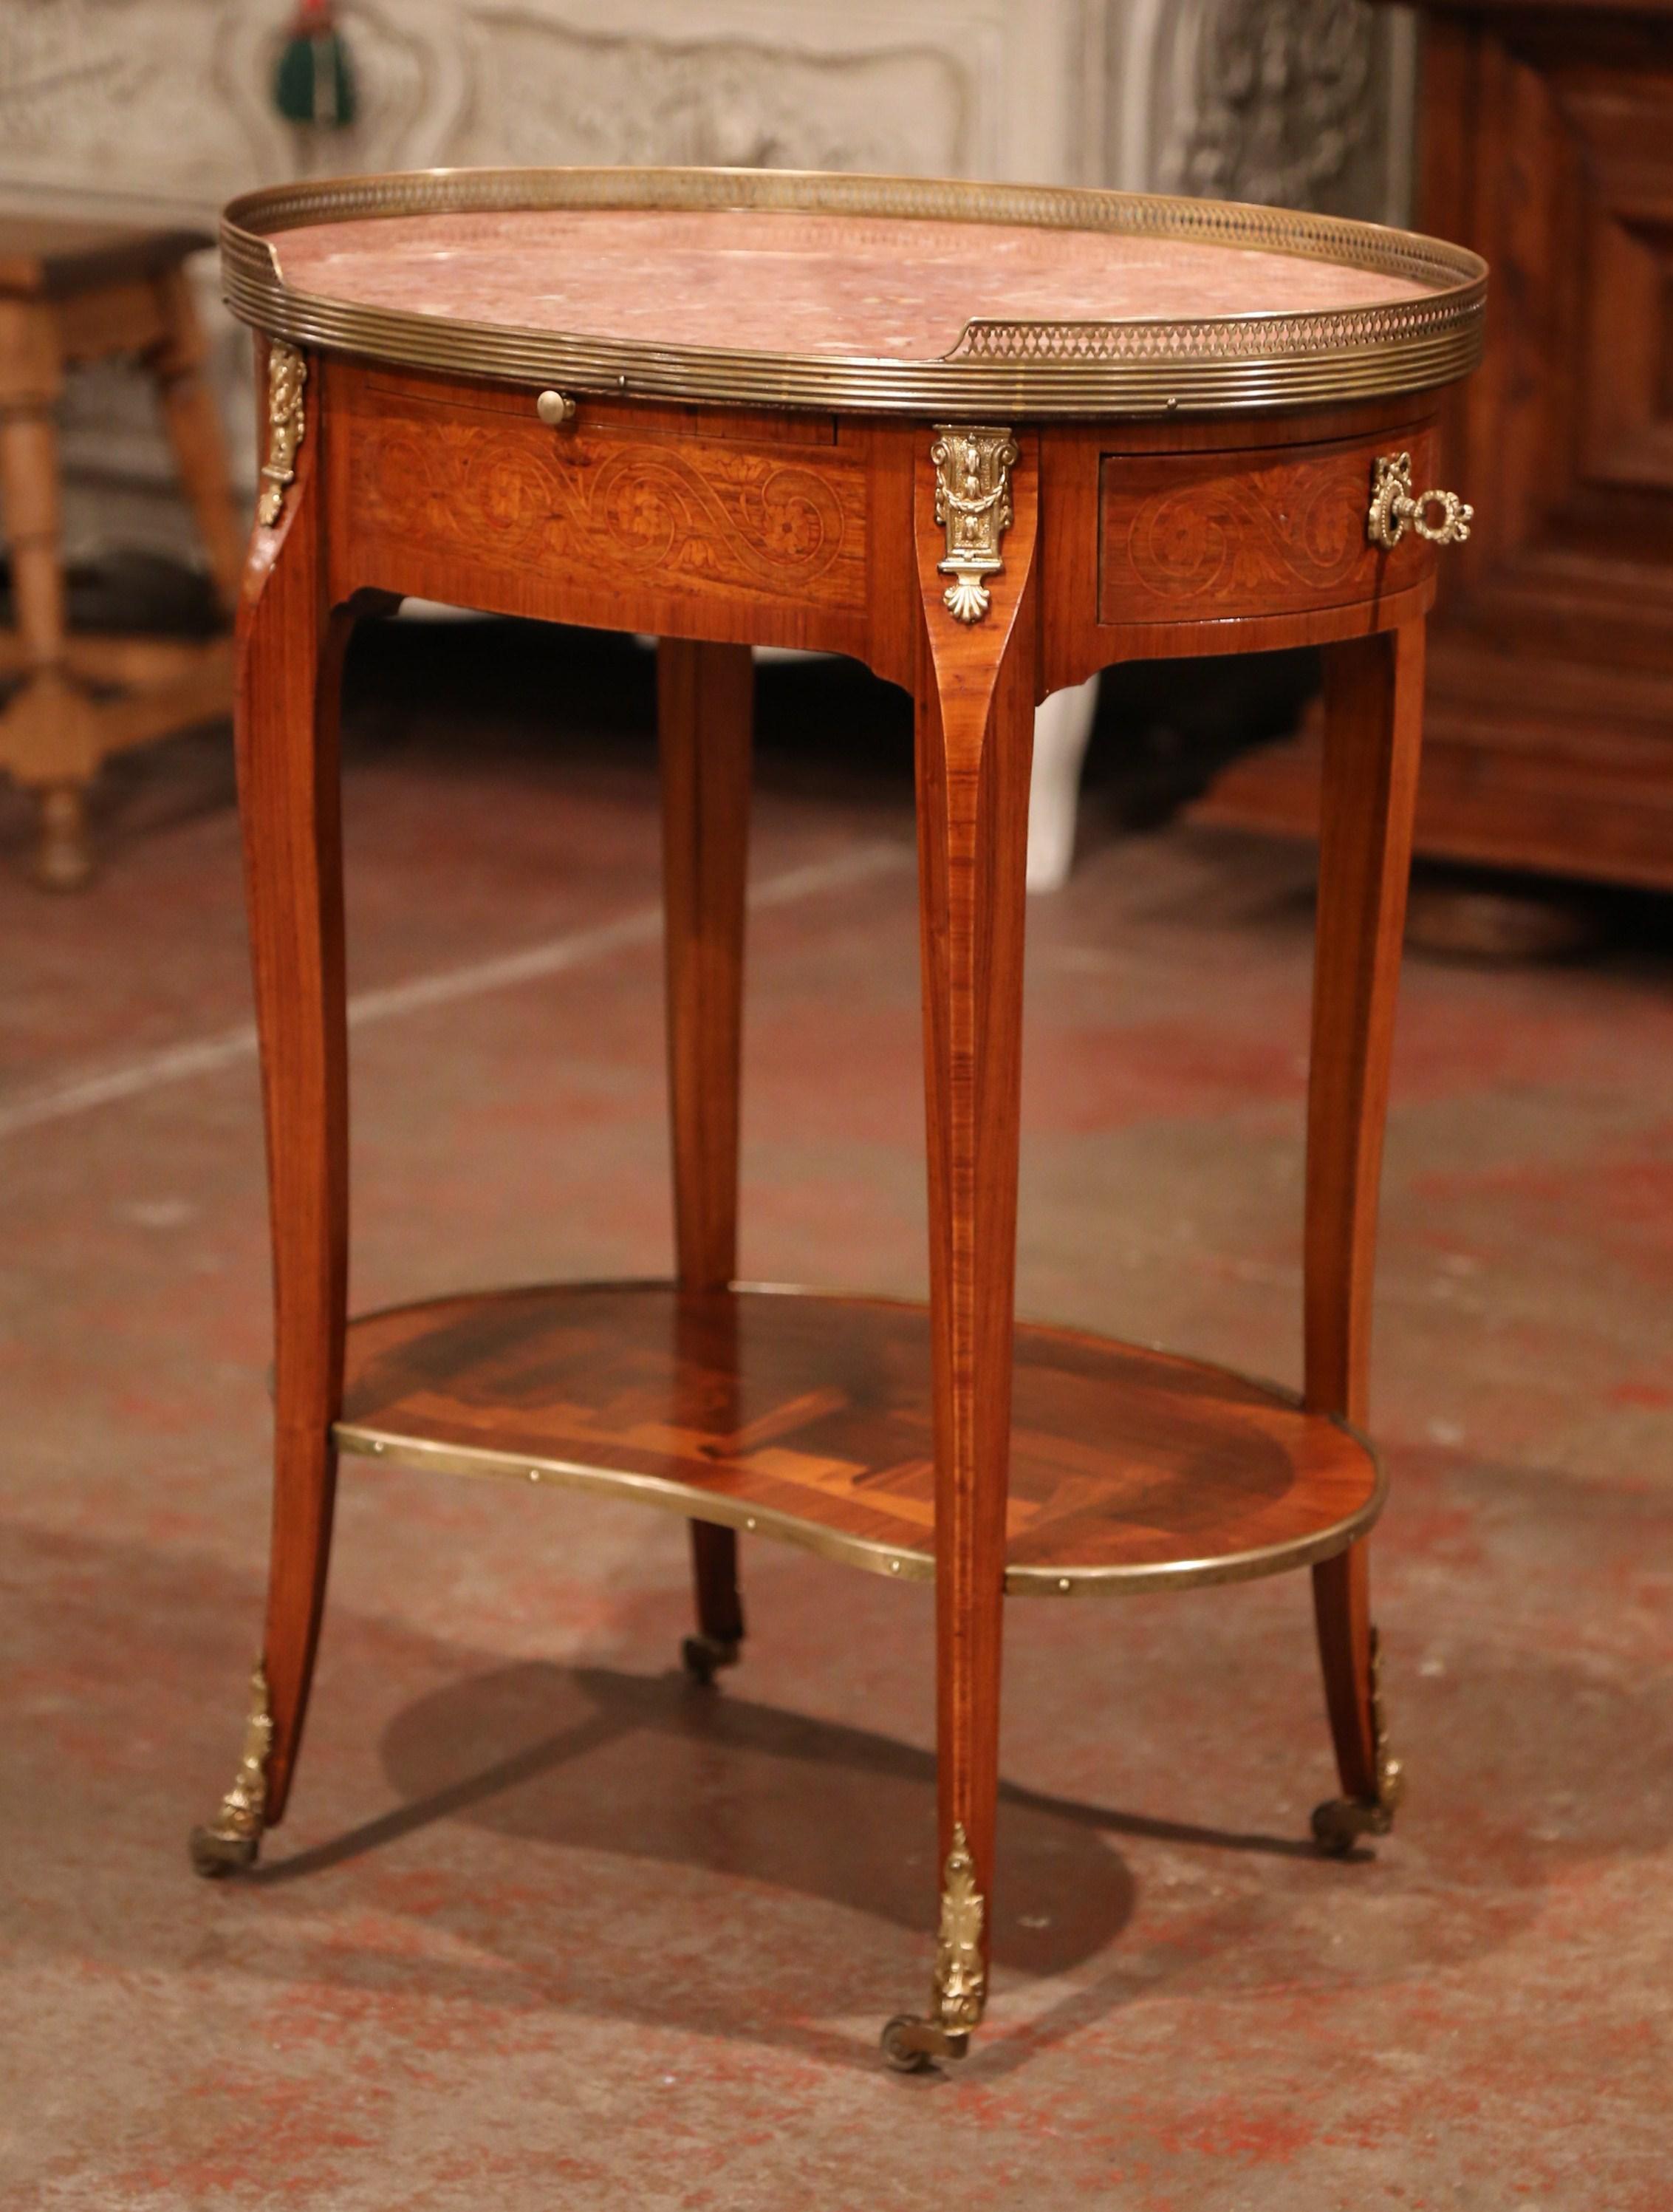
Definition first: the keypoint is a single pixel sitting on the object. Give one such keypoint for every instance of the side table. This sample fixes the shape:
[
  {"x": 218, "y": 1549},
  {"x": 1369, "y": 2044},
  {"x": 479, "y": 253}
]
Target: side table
[
  {"x": 988, "y": 440},
  {"x": 73, "y": 292}
]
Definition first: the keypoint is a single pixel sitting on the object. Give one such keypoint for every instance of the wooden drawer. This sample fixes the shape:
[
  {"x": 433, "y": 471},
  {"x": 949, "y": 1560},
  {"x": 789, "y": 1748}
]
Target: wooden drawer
[
  {"x": 1216, "y": 536},
  {"x": 626, "y": 515}
]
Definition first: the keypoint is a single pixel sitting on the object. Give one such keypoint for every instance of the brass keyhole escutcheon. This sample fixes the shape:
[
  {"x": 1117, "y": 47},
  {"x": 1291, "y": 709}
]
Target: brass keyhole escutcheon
[
  {"x": 555, "y": 409},
  {"x": 1394, "y": 504}
]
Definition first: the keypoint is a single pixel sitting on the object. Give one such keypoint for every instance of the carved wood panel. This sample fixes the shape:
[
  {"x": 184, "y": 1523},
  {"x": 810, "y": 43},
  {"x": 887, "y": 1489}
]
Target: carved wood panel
[
  {"x": 620, "y": 512},
  {"x": 1213, "y": 535},
  {"x": 1295, "y": 103}
]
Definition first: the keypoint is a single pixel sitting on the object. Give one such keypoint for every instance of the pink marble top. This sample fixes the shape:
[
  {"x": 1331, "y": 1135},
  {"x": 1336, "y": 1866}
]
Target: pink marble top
[{"x": 773, "y": 281}]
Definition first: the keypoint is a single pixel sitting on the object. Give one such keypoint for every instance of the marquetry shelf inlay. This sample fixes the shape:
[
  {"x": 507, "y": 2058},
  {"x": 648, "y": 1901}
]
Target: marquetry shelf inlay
[{"x": 808, "y": 1419}]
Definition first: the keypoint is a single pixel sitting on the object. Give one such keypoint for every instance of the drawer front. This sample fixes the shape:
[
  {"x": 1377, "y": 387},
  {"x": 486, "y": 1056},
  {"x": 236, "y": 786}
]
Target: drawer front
[
  {"x": 620, "y": 506},
  {"x": 1230, "y": 536}
]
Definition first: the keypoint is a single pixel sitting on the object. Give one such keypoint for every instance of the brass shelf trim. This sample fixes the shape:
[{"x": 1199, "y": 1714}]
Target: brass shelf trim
[{"x": 1002, "y": 368}]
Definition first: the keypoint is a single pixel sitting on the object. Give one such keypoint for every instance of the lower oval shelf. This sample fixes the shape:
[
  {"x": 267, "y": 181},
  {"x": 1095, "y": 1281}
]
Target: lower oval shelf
[{"x": 807, "y": 1418}]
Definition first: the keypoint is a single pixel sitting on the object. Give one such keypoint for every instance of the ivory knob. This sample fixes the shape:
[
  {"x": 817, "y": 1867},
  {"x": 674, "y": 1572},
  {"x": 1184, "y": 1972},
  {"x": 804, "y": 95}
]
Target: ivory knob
[{"x": 554, "y": 410}]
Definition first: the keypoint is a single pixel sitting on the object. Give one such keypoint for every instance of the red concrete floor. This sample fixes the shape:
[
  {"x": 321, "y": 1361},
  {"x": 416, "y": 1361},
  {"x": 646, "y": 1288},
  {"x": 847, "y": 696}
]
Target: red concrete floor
[{"x": 546, "y": 1928}]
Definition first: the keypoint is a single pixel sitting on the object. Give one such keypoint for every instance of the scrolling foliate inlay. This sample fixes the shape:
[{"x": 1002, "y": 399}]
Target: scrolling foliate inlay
[
  {"x": 973, "y": 469},
  {"x": 617, "y": 512},
  {"x": 287, "y": 373}
]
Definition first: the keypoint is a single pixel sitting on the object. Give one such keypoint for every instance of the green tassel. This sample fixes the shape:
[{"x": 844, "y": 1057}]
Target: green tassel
[{"x": 313, "y": 83}]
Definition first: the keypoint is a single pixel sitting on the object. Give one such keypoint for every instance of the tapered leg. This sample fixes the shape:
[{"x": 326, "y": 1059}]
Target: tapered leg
[
  {"x": 290, "y": 656},
  {"x": 706, "y": 708},
  {"x": 1374, "y": 710},
  {"x": 976, "y": 693}
]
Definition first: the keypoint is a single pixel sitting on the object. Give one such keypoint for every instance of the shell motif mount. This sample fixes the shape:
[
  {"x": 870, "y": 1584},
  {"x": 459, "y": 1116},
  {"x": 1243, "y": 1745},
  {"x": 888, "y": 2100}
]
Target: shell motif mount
[
  {"x": 972, "y": 465},
  {"x": 287, "y": 374}
]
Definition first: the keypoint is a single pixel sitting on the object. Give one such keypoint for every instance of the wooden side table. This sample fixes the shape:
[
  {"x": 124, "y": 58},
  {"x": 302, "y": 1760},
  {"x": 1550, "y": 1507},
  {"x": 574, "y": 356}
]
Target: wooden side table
[
  {"x": 75, "y": 292},
  {"x": 988, "y": 440}
]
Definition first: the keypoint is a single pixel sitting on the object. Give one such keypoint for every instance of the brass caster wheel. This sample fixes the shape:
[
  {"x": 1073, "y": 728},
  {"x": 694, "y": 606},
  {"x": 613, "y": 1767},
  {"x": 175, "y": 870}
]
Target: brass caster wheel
[
  {"x": 1340, "y": 1823},
  {"x": 911, "y": 2046},
  {"x": 214, "y": 1854},
  {"x": 703, "y": 1656}
]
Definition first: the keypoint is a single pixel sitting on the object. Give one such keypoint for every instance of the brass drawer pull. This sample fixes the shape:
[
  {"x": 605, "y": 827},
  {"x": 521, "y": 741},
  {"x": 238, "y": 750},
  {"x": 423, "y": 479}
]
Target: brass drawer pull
[
  {"x": 554, "y": 409},
  {"x": 1394, "y": 504}
]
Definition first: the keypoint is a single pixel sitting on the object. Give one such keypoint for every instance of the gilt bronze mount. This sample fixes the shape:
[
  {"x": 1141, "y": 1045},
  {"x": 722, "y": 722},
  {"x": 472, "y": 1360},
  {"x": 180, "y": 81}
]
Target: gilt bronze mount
[
  {"x": 959, "y": 1991},
  {"x": 973, "y": 506},
  {"x": 287, "y": 373},
  {"x": 232, "y": 1840},
  {"x": 1340, "y": 1822}
]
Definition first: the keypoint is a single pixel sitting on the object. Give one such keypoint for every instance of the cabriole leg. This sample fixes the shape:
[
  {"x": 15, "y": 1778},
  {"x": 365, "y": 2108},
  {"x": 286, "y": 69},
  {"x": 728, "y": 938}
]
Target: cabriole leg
[
  {"x": 976, "y": 692},
  {"x": 705, "y": 713},
  {"x": 1373, "y": 708},
  {"x": 290, "y": 659}
]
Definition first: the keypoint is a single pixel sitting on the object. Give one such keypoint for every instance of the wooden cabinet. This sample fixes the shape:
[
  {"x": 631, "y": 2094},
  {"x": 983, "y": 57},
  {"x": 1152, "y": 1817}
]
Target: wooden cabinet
[{"x": 1546, "y": 142}]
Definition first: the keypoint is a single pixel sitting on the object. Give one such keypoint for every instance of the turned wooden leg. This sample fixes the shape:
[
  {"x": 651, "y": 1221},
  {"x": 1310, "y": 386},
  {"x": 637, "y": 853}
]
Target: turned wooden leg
[
  {"x": 1374, "y": 719},
  {"x": 975, "y": 710},
  {"x": 706, "y": 710},
  {"x": 48, "y": 732},
  {"x": 64, "y": 847},
  {"x": 194, "y": 431},
  {"x": 290, "y": 656}
]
